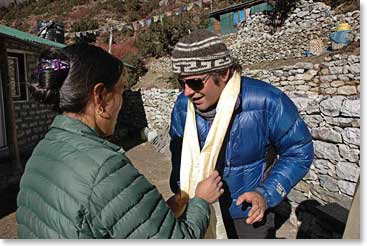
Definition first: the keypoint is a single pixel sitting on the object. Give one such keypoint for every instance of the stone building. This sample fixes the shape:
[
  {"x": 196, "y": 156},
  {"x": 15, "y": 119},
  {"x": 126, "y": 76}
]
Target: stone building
[{"x": 23, "y": 122}]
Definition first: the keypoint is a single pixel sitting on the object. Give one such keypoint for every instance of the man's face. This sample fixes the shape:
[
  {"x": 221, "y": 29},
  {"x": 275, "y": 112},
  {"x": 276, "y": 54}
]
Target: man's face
[{"x": 202, "y": 89}]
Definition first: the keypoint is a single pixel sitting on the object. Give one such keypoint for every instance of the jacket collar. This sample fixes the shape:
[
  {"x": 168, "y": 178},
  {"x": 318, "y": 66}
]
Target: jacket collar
[{"x": 77, "y": 127}]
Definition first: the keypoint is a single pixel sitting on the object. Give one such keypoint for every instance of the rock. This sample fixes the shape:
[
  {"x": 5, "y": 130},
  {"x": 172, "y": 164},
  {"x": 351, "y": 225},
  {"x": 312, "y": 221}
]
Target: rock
[
  {"x": 328, "y": 58},
  {"x": 342, "y": 122},
  {"x": 303, "y": 14},
  {"x": 311, "y": 175},
  {"x": 343, "y": 77},
  {"x": 347, "y": 187},
  {"x": 330, "y": 91},
  {"x": 303, "y": 187},
  {"x": 324, "y": 167},
  {"x": 298, "y": 82},
  {"x": 313, "y": 107},
  {"x": 331, "y": 107},
  {"x": 325, "y": 71},
  {"x": 326, "y": 134},
  {"x": 347, "y": 90},
  {"x": 303, "y": 87},
  {"x": 328, "y": 78},
  {"x": 351, "y": 135},
  {"x": 328, "y": 183},
  {"x": 299, "y": 77},
  {"x": 347, "y": 171},
  {"x": 324, "y": 150},
  {"x": 312, "y": 120},
  {"x": 301, "y": 103},
  {"x": 351, "y": 108},
  {"x": 309, "y": 75},
  {"x": 336, "y": 70},
  {"x": 337, "y": 83},
  {"x": 304, "y": 65},
  {"x": 345, "y": 69},
  {"x": 355, "y": 69},
  {"x": 348, "y": 153},
  {"x": 296, "y": 196},
  {"x": 353, "y": 58}
]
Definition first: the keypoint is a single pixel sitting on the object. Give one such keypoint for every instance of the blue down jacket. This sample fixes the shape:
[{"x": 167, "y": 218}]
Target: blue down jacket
[{"x": 267, "y": 119}]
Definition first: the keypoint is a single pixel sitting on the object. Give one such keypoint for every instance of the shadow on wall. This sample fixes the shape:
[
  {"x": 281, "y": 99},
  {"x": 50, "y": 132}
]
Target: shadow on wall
[
  {"x": 131, "y": 121},
  {"x": 316, "y": 221},
  {"x": 321, "y": 221}
]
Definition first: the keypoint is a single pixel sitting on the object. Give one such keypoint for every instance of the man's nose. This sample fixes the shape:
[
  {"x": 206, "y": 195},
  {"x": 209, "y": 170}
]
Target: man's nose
[{"x": 188, "y": 91}]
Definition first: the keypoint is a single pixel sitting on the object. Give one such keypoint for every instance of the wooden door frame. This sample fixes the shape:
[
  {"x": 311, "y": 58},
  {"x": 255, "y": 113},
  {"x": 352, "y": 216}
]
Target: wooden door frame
[{"x": 9, "y": 111}]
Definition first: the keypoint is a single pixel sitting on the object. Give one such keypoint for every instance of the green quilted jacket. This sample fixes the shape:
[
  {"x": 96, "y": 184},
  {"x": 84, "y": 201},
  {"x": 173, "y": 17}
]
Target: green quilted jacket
[{"x": 77, "y": 185}]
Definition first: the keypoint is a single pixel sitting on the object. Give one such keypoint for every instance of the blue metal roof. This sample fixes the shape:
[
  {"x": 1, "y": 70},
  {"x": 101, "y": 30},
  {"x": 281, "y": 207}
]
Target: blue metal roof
[{"x": 11, "y": 32}]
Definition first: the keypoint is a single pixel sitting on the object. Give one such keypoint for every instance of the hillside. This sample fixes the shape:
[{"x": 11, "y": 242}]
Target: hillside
[
  {"x": 91, "y": 14},
  {"x": 78, "y": 15}
]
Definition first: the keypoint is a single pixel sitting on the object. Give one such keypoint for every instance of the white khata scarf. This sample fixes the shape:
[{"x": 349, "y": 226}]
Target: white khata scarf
[{"x": 197, "y": 165}]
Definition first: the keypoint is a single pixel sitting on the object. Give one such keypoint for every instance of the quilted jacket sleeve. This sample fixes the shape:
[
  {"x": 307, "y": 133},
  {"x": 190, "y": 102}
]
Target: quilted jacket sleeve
[
  {"x": 123, "y": 204},
  {"x": 293, "y": 142}
]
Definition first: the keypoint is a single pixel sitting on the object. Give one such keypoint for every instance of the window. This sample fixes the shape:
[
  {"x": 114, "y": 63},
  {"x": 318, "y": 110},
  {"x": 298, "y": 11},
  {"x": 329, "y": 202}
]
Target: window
[{"x": 17, "y": 78}]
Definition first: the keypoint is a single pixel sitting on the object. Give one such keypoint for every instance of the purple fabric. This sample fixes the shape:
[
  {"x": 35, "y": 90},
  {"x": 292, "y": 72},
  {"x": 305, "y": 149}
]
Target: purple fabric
[{"x": 53, "y": 64}]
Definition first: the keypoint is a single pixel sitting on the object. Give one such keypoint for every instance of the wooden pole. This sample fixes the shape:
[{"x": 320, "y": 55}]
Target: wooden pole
[{"x": 110, "y": 41}]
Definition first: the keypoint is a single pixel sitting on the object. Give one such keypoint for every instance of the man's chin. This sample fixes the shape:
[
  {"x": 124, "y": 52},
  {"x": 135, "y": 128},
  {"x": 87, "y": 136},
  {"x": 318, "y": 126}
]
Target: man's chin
[{"x": 201, "y": 107}]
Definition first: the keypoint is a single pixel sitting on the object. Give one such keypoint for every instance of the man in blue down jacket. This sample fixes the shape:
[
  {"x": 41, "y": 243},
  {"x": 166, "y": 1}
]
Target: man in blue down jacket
[{"x": 264, "y": 118}]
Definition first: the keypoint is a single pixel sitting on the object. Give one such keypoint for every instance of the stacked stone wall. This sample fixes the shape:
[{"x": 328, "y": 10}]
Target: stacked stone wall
[
  {"x": 254, "y": 42},
  {"x": 336, "y": 75},
  {"x": 32, "y": 122}
]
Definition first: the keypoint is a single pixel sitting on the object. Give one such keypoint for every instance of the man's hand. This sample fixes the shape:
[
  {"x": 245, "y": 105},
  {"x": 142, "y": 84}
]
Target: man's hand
[{"x": 258, "y": 202}]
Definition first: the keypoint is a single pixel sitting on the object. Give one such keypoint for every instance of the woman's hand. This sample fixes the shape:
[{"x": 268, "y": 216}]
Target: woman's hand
[{"x": 210, "y": 189}]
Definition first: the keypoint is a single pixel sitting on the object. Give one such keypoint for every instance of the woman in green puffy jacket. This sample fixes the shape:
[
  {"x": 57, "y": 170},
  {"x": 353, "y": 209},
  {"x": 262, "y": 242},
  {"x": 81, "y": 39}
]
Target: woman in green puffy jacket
[{"x": 76, "y": 184}]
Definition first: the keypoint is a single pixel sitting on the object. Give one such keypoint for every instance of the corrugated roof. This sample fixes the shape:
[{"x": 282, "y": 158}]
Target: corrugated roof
[
  {"x": 245, "y": 4},
  {"x": 11, "y": 32}
]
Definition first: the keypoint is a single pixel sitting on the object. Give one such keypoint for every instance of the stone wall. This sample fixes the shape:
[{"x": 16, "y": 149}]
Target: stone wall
[
  {"x": 334, "y": 123},
  {"x": 336, "y": 75},
  {"x": 32, "y": 122},
  {"x": 254, "y": 42}
]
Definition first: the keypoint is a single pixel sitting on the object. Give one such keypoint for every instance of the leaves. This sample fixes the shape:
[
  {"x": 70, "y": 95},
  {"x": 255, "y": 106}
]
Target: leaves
[{"x": 159, "y": 39}]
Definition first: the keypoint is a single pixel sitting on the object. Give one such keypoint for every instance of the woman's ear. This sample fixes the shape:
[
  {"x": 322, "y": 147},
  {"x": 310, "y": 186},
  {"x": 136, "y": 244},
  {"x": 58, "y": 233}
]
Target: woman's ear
[{"x": 99, "y": 94}]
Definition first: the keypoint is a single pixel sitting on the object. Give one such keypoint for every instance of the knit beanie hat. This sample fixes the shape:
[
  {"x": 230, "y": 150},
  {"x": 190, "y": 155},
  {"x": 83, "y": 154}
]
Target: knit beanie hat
[{"x": 200, "y": 52}]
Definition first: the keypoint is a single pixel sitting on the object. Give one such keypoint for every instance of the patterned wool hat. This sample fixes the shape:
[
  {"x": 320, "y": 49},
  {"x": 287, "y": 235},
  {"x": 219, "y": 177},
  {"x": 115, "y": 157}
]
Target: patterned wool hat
[{"x": 200, "y": 52}]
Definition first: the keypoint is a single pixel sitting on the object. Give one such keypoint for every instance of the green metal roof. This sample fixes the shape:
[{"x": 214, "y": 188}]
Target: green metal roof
[
  {"x": 244, "y": 4},
  {"x": 11, "y": 32}
]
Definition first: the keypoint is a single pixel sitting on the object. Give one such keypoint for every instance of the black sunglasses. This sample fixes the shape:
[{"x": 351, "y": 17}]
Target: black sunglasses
[{"x": 196, "y": 84}]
